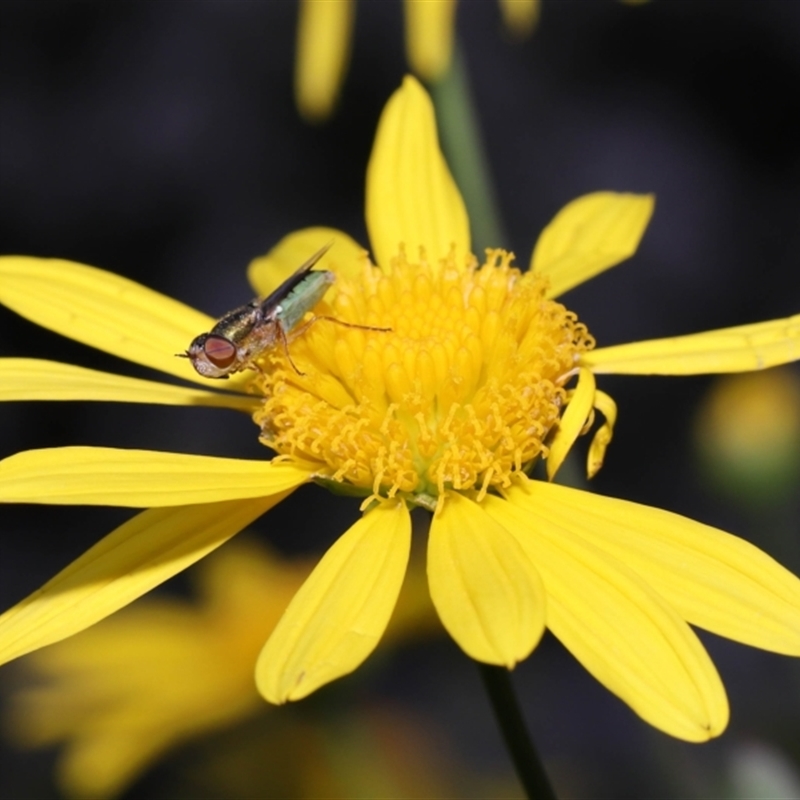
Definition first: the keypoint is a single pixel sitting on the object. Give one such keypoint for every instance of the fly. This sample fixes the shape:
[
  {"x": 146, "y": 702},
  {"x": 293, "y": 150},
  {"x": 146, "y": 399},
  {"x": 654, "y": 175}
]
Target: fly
[{"x": 245, "y": 333}]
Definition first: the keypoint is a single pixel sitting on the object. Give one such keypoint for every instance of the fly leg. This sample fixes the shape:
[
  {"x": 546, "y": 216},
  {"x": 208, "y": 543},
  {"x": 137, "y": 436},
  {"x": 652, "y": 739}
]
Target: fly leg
[
  {"x": 298, "y": 332},
  {"x": 306, "y": 325},
  {"x": 285, "y": 341}
]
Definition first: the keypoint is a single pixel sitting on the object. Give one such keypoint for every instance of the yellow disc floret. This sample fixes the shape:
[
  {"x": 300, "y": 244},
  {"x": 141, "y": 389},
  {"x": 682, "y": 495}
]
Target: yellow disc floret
[{"x": 459, "y": 394}]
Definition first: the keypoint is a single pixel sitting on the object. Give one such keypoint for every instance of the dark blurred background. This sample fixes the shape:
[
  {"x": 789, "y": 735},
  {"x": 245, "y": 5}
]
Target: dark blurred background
[{"x": 160, "y": 140}]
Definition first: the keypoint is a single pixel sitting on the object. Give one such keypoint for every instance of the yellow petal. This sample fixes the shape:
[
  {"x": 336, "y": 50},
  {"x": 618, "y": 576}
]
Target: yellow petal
[
  {"x": 130, "y": 561},
  {"x": 487, "y": 592},
  {"x": 520, "y": 16},
  {"x": 605, "y": 433},
  {"x": 103, "y": 310},
  {"x": 37, "y": 379},
  {"x": 620, "y": 629},
  {"x": 411, "y": 195},
  {"x": 572, "y": 421},
  {"x": 589, "y": 235},
  {"x": 715, "y": 580},
  {"x": 337, "y": 617},
  {"x": 268, "y": 272},
  {"x": 740, "y": 349},
  {"x": 429, "y": 36},
  {"x": 108, "y": 476},
  {"x": 324, "y": 32}
]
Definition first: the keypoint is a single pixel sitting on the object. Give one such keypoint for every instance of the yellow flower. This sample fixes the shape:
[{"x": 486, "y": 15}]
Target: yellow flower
[
  {"x": 121, "y": 694},
  {"x": 446, "y": 411},
  {"x": 325, "y": 29}
]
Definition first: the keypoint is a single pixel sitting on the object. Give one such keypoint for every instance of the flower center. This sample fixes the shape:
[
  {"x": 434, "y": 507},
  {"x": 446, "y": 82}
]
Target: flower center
[{"x": 460, "y": 394}]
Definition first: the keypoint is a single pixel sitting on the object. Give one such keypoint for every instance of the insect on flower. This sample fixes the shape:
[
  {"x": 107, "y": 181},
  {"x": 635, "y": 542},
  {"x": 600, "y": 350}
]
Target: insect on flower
[{"x": 245, "y": 333}]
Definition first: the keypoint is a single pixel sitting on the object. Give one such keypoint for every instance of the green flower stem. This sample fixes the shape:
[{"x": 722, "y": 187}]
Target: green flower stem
[
  {"x": 461, "y": 140},
  {"x": 530, "y": 771}
]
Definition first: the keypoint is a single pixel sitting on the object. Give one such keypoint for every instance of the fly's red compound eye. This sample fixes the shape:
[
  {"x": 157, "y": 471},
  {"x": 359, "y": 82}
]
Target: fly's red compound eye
[{"x": 219, "y": 351}]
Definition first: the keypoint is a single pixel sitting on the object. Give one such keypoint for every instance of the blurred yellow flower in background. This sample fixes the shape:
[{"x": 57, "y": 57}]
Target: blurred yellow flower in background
[
  {"x": 324, "y": 42},
  {"x": 118, "y": 696},
  {"x": 747, "y": 432},
  {"x": 325, "y": 30},
  {"x": 448, "y": 411}
]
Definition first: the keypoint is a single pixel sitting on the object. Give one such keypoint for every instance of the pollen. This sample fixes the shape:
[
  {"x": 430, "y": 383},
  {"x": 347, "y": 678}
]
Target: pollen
[{"x": 459, "y": 393}]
